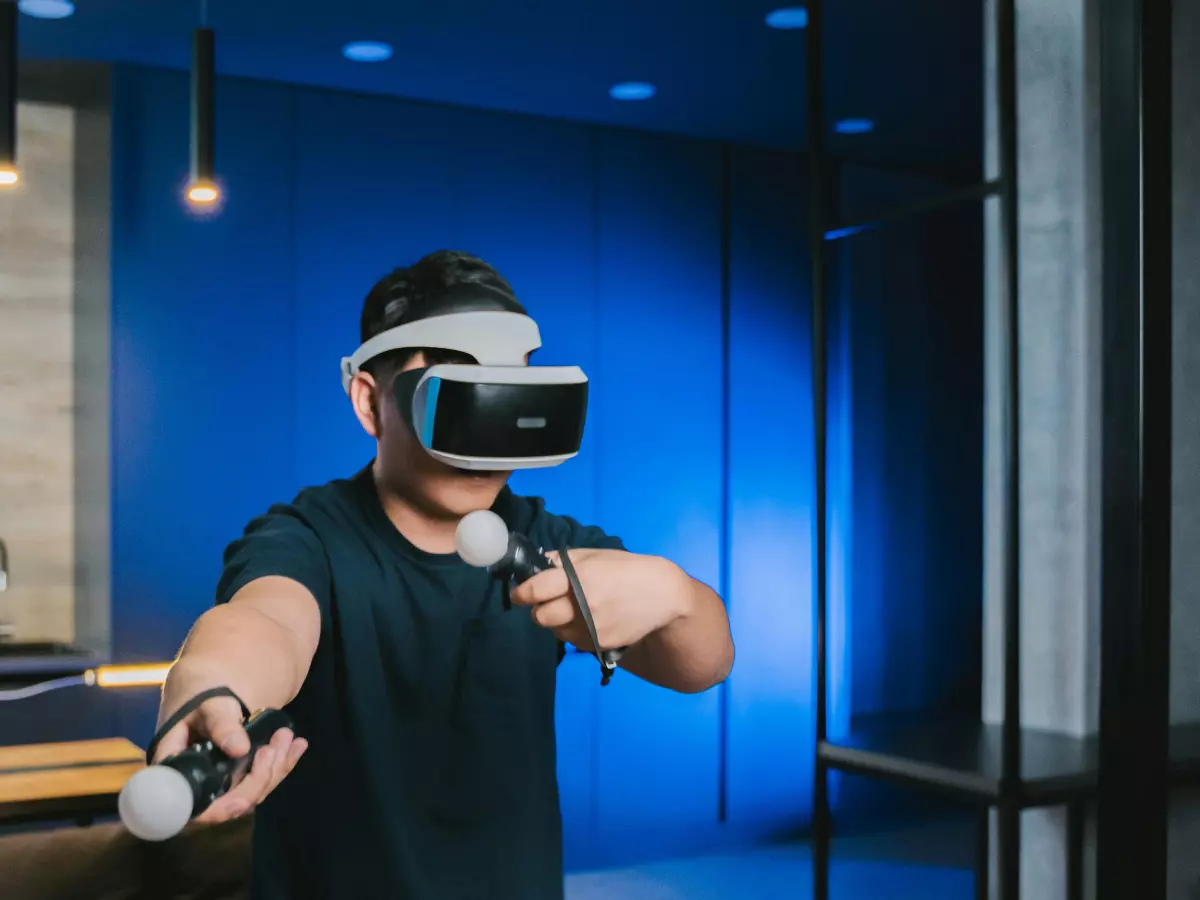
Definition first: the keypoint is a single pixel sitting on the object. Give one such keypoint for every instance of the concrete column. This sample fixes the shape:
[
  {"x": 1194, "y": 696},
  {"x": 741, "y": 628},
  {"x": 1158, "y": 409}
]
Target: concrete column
[
  {"x": 1058, "y": 168},
  {"x": 1060, "y": 368}
]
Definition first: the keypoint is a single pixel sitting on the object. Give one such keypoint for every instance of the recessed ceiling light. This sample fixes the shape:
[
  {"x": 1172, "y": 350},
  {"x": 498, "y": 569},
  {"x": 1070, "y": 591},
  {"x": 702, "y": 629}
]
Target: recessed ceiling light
[
  {"x": 367, "y": 51},
  {"x": 788, "y": 18},
  {"x": 46, "y": 9},
  {"x": 854, "y": 126},
  {"x": 632, "y": 90}
]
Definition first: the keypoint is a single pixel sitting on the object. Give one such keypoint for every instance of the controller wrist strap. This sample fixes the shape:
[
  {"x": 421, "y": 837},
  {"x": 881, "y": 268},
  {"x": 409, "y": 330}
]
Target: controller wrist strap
[
  {"x": 186, "y": 710},
  {"x": 607, "y": 659}
]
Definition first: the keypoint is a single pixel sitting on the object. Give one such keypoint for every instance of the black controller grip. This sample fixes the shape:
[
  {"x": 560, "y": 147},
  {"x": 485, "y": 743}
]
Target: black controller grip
[
  {"x": 211, "y": 772},
  {"x": 522, "y": 561}
]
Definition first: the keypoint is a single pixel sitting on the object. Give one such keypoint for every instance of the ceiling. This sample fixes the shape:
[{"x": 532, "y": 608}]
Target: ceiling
[{"x": 912, "y": 66}]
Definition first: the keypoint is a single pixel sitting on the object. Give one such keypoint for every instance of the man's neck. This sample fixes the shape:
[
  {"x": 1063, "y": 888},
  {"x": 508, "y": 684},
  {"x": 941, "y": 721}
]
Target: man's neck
[{"x": 424, "y": 531}]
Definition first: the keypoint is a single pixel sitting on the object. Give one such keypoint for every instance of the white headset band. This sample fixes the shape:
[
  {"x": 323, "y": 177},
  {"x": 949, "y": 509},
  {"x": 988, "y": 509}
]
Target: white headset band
[{"x": 492, "y": 338}]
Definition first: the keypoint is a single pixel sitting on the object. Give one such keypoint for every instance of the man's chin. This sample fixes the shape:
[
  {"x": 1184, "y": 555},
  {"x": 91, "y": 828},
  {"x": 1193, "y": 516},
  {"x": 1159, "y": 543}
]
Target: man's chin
[
  {"x": 471, "y": 489},
  {"x": 470, "y": 474},
  {"x": 481, "y": 474}
]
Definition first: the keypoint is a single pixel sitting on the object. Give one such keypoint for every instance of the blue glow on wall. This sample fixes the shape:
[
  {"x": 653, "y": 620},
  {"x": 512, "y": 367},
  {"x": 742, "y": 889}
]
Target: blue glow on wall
[
  {"x": 632, "y": 90},
  {"x": 788, "y": 18},
  {"x": 613, "y": 239},
  {"x": 367, "y": 51},
  {"x": 854, "y": 126},
  {"x": 46, "y": 9}
]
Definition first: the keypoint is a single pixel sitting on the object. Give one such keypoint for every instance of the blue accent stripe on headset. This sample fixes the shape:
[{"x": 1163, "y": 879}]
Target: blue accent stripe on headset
[{"x": 435, "y": 385}]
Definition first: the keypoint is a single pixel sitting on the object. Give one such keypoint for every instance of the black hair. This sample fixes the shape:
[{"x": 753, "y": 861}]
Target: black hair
[{"x": 414, "y": 292}]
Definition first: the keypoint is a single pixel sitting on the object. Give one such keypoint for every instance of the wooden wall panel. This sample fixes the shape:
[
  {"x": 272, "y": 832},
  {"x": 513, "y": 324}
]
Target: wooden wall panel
[{"x": 37, "y": 379}]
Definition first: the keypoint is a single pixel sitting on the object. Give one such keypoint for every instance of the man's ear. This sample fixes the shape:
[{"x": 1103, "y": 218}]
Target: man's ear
[{"x": 365, "y": 398}]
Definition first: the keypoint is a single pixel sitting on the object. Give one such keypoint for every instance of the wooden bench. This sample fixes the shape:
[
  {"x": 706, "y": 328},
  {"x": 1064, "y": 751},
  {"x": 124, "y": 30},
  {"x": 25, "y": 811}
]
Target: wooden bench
[{"x": 73, "y": 780}]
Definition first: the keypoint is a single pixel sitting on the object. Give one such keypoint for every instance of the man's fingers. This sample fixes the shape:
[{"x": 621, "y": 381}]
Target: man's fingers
[
  {"x": 221, "y": 721},
  {"x": 284, "y": 763},
  {"x": 271, "y": 765},
  {"x": 173, "y": 741},
  {"x": 246, "y": 794},
  {"x": 223, "y": 809},
  {"x": 235, "y": 802},
  {"x": 258, "y": 779},
  {"x": 541, "y": 588},
  {"x": 555, "y": 614},
  {"x": 281, "y": 742},
  {"x": 299, "y": 745},
  {"x": 281, "y": 748}
]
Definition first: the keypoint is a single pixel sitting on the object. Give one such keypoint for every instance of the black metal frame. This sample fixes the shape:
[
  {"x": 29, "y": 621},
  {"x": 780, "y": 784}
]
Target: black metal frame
[
  {"x": 1005, "y": 768},
  {"x": 1136, "y": 169},
  {"x": 818, "y": 217},
  {"x": 1008, "y": 808}
]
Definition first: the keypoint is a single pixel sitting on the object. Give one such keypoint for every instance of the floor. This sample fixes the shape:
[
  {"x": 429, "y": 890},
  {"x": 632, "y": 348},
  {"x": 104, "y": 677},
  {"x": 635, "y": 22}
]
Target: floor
[{"x": 927, "y": 863}]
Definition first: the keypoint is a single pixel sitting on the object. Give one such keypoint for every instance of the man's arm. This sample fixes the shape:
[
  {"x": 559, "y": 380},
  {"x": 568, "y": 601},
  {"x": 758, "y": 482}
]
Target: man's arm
[
  {"x": 674, "y": 627},
  {"x": 260, "y": 638},
  {"x": 259, "y": 642},
  {"x": 260, "y": 645},
  {"x": 692, "y": 652}
]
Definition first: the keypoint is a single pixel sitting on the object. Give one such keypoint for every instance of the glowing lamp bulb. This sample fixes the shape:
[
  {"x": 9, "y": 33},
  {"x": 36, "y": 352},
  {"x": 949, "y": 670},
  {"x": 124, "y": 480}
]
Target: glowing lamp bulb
[
  {"x": 203, "y": 193},
  {"x": 137, "y": 675},
  {"x": 8, "y": 176}
]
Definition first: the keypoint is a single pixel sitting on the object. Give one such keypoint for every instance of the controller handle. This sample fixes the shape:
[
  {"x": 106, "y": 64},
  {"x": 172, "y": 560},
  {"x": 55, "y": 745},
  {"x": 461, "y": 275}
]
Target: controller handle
[
  {"x": 157, "y": 802},
  {"x": 483, "y": 539}
]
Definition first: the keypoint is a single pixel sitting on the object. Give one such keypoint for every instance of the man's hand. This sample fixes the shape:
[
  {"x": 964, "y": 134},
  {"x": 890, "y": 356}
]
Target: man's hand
[
  {"x": 630, "y": 597},
  {"x": 220, "y": 720}
]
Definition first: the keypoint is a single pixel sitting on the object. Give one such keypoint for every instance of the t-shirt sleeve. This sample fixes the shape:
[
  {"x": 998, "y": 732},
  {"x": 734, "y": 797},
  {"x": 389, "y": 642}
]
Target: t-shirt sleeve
[
  {"x": 279, "y": 543},
  {"x": 565, "y": 530}
]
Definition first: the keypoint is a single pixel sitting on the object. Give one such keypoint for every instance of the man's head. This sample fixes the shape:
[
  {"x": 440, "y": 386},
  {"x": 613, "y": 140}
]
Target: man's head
[{"x": 408, "y": 295}]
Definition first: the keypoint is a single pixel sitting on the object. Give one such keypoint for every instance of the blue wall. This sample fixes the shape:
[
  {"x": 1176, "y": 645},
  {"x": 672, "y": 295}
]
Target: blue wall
[
  {"x": 228, "y": 330},
  {"x": 910, "y": 298}
]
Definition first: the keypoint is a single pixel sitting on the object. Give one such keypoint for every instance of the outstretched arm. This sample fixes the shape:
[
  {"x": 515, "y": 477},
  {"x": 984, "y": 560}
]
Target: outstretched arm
[
  {"x": 260, "y": 645},
  {"x": 259, "y": 642}
]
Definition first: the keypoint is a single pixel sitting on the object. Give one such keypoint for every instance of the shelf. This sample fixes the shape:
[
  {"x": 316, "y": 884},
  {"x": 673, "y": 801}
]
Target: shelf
[
  {"x": 1184, "y": 747},
  {"x": 21, "y": 661},
  {"x": 963, "y": 758}
]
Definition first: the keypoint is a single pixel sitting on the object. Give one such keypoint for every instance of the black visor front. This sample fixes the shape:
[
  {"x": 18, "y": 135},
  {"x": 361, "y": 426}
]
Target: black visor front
[
  {"x": 507, "y": 421},
  {"x": 494, "y": 420}
]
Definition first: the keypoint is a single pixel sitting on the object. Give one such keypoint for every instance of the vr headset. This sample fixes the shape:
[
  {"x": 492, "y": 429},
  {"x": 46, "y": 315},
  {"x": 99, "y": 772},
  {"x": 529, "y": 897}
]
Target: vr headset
[{"x": 499, "y": 415}]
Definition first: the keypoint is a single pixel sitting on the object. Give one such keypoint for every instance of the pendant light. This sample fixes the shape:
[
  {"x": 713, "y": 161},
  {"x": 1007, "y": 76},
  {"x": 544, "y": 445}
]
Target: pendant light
[{"x": 202, "y": 190}]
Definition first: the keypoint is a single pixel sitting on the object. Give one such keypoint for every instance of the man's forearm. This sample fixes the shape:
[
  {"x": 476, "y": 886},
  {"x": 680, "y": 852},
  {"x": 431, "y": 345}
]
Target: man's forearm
[
  {"x": 238, "y": 646},
  {"x": 693, "y": 652}
]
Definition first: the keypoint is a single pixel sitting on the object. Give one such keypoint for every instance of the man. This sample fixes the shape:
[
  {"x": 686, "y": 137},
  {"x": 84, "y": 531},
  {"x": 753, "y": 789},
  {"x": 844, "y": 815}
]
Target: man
[{"x": 423, "y": 693}]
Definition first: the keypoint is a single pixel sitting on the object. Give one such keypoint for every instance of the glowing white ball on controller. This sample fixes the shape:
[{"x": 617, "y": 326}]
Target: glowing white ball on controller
[
  {"x": 155, "y": 803},
  {"x": 481, "y": 538}
]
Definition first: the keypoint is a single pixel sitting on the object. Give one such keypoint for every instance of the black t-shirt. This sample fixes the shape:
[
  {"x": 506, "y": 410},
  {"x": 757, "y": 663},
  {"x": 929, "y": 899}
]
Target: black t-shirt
[{"x": 429, "y": 711}]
